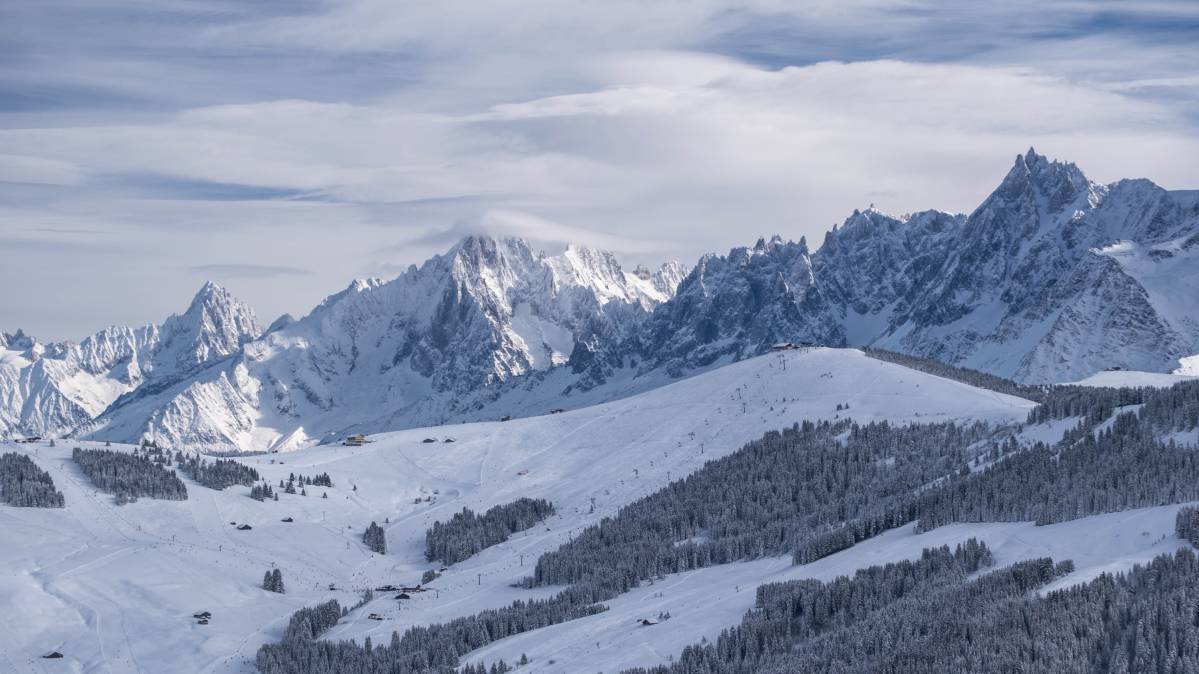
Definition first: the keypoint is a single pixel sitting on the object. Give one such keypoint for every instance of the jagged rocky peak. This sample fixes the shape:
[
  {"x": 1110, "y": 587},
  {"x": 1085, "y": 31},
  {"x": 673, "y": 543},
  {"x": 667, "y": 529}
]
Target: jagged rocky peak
[
  {"x": 490, "y": 270},
  {"x": 17, "y": 341},
  {"x": 673, "y": 271},
  {"x": 505, "y": 270},
  {"x": 770, "y": 252},
  {"x": 869, "y": 222},
  {"x": 739, "y": 304},
  {"x": 360, "y": 285},
  {"x": 666, "y": 277},
  {"x": 764, "y": 246},
  {"x": 1053, "y": 184},
  {"x": 489, "y": 247},
  {"x": 280, "y": 323},
  {"x": 592, "y": 268},
  {"x": 216, "y": 324}
]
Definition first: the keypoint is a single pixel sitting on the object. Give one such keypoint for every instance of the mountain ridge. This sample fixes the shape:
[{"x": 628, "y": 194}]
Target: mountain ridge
[
  {"x": 440, "y": 338},
  {"x": 1051, "y": 278}
]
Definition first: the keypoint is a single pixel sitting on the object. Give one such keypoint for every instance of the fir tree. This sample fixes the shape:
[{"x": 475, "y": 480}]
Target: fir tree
[{"x": 375, "y": 538}]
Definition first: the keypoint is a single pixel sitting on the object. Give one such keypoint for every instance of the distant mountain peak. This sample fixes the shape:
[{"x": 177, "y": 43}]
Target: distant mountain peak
[
  {"x": 1055, "y": 183},
  {"x": 17, "y": 341},
  {"x": 764, "y": 245},
  {"x": 359, "y": 285},
  {"x": 207, "y": 294},
  {"x": 216, "y": 324},
  {"x": 485, "y": 246}
]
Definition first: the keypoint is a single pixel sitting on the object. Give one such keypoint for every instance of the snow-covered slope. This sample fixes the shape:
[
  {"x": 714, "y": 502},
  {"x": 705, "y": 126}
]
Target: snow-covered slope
[
  {"x": 1188, "y": 366},
  {"x": 114, "y": 587},
  {"x": 437, "y": 341},
  {"x": 1119, "y": 378},
  {"x": 52, "y": 389}
]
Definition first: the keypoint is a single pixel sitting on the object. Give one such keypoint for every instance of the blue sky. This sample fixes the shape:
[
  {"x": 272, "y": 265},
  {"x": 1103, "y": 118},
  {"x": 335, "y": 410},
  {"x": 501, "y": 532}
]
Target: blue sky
[{"x": 284, "y": 148}]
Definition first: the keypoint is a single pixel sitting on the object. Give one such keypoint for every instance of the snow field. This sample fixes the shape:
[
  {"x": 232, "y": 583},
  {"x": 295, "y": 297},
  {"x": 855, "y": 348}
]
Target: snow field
[{"x": 114, "y": 588}]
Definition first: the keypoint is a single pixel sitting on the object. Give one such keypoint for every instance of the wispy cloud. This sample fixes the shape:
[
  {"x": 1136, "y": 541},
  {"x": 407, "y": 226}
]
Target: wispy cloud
[
  {"x": 24, "y": 246},
  {"x": 243, "y": 270},
  {"x": 510, "y": 223}
]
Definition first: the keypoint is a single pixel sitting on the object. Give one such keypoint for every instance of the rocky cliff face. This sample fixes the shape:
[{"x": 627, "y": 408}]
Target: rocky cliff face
[
  {"x": 738, "y": 305},
  {"x": 1051, "y": 278},
  {"x": 1031, "y": 288}
]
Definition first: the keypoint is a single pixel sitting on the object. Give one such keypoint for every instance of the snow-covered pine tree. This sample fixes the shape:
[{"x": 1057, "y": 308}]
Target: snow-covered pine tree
[{"x": 375, "y": 538}]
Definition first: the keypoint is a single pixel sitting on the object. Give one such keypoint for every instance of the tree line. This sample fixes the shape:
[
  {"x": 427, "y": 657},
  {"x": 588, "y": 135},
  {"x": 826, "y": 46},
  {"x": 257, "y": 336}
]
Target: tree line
[
  {"x": 1140, "y": 622},
  {"x": 217, "y": 474},
  {"x": 432, "y": 648},
  {"x": 466, "y": 533},
  {"x": 965, "y": 375},
  {"x": 1123, "y": 466},
  {"x": 25, "y": 485},
  {"x": 1126, "y": 464},
  {"x": 768, "y": 498},
  {"x": 129, "y": 476}
]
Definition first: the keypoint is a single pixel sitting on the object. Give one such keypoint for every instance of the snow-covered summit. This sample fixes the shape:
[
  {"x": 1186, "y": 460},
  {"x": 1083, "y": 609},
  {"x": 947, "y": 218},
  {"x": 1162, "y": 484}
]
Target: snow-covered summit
[
  {"x": 1023, "y": 292},
  {"x": 16, "y": 341},
  {"x": 54, "y": 388},
  {"x": 441, "y": 337},
  {"x": 1052, "y": 278}
]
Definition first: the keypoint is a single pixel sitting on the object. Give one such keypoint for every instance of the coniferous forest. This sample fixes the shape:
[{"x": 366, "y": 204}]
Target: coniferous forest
[
  {"x": 129, "y": 476},
  {"x": 927, "y": 617},
  {"x": 217, "y": 474},
  {"x": 819, "y": 487},
  {"x": 24, "y": 484},
  {"x": 467, "y": 533}
]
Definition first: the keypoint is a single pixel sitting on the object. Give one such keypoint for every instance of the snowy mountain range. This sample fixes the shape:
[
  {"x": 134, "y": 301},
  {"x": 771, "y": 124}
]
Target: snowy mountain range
[
  {"x": 1052, "y": 278},
  {"x": 50, "y": 389},
  {"x": 439, "y": 339}
]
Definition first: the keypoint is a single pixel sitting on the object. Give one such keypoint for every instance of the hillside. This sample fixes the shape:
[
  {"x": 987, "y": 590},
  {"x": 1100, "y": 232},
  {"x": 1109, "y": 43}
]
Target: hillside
[{"x": 118, "y": 584}]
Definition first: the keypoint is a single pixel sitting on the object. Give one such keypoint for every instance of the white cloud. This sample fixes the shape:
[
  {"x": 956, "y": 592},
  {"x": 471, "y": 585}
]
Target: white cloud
[
  {"x": 15, "y": 168},
  {"x": 828, "y": 128},
  {"x": 534, "y": 228}
]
